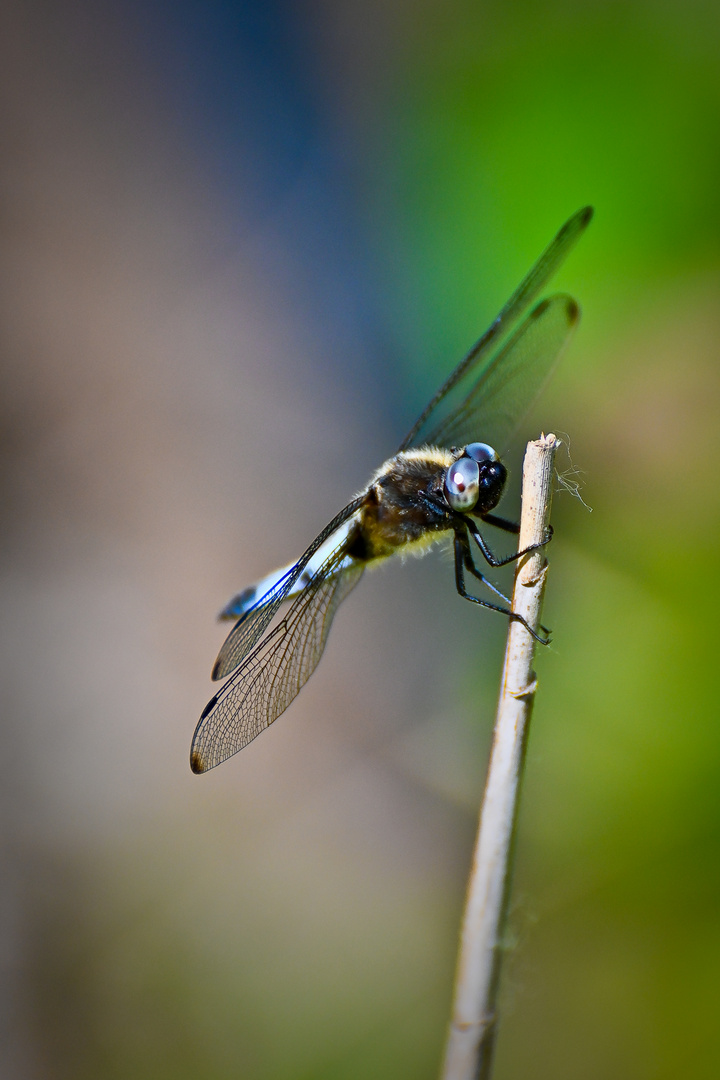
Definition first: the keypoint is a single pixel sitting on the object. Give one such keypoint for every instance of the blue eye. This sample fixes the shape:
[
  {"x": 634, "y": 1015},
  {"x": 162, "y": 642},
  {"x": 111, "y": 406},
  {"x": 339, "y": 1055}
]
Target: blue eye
[
  {"x": 462, "y": 484},
  {"x": 480, "y": 451}
]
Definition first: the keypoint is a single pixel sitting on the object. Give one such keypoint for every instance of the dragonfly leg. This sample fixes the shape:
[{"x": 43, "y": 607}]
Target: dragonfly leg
[
  {"x": 501, "y": 523},
  {"x": 469, "y": 565},
  {"x": 464, "y": 561},
  {"x": 492, "y": 559}
]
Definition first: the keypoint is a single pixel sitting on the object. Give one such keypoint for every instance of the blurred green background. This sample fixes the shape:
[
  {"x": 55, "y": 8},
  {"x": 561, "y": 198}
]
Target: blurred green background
[{"x": 242, "y": 244}]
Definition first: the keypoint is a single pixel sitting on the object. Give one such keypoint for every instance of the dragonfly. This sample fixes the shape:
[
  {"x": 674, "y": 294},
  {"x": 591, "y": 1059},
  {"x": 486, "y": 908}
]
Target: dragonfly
[{"x": 441, "y": 484}]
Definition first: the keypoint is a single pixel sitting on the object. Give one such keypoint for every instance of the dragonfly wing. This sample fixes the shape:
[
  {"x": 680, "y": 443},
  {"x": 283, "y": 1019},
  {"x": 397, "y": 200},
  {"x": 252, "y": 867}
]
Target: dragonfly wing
[
  {"x": 272, "y": 675},
  {"x": 254, "y": 622},
  {"x": 508, "y": 386},
  {"x": 256, "y": 596},
  {"x": 470, "y": 372}
]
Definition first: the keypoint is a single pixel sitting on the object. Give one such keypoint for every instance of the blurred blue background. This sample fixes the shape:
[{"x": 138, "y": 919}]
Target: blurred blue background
[{"x": 242, "y": 244}]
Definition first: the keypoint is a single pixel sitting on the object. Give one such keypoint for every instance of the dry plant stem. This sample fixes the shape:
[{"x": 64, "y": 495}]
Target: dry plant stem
[{"x": 472, "y": 1028}]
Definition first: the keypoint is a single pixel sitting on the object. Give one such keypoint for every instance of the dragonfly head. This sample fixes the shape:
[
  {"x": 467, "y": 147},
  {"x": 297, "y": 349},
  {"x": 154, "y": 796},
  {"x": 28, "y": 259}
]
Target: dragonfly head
[{"x": 475, "y": 480}]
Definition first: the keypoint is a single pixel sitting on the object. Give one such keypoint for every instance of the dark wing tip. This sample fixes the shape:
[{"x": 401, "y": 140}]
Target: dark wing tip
[
  {"x": 576, "y": 224},
  {"x": 216, "y": 674},
  {"x": 580, "y": 220},
  {"x": 570, "y": 307},
  {"x": 196, "y": 762},
  {"x": 572, "y": 311}
]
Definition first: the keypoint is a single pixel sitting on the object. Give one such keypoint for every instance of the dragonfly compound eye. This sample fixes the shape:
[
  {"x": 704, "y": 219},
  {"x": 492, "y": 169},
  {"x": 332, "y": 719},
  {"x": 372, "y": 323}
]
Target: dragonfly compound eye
[
  {"x": 480, "y": 451},
  {"x": 462, "y": 484}
]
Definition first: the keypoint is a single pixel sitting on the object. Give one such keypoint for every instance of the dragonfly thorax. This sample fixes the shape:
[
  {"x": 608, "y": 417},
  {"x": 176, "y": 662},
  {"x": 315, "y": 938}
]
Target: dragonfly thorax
[{"x": 418, "y": 494}]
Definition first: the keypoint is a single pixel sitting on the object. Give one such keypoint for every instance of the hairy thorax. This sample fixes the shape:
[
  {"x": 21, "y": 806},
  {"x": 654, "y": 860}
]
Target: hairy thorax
[{"x": 395, "y": 516}]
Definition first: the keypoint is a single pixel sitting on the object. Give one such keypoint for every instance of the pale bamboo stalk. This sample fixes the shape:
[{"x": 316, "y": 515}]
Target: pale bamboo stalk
[{"x": 473, "y": 1024}]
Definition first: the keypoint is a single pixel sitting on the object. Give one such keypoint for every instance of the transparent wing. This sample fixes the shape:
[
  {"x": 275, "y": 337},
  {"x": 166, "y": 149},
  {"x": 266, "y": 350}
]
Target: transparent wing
[
  {"x": 253, "y": 624},
  {"x": 273, "y": 674},
  {"x": 262, "y": 592},
  {"x": 469, "y": 377},
  {"x": 510, "y": 384}
]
